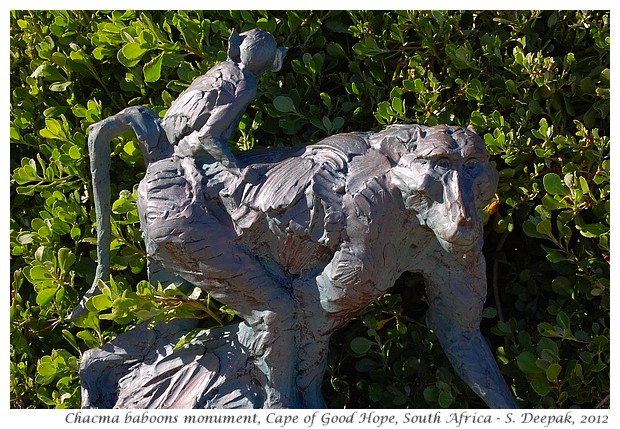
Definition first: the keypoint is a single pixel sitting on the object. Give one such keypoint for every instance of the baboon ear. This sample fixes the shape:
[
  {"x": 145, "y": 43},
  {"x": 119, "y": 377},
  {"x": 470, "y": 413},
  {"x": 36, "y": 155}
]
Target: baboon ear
[
  {"x": 234, "y": 41},
  {"x": 279, "y": 59},
  {"x": 392, "y": 147}
]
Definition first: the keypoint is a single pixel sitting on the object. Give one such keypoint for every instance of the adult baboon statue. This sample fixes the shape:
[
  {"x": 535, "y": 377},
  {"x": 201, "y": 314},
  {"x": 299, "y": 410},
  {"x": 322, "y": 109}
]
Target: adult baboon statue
[{"x": 297, "y": 241}]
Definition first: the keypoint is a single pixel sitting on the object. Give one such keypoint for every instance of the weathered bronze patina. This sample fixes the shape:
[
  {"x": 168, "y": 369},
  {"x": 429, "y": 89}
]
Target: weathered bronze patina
[{"x": 296, "y": 240}]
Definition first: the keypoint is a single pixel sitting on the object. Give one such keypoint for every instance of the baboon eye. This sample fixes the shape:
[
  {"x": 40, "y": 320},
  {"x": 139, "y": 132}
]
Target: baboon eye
[
  {"x": 442, "y": 164},
  {"x": 471, "y": 164}
]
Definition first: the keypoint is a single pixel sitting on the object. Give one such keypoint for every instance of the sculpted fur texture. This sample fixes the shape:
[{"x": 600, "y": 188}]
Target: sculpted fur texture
[{"x": 296, "y": 240}]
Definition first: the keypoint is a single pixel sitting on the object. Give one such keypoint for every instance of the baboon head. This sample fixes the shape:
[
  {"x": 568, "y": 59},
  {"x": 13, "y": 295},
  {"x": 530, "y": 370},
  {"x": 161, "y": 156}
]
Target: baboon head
[
  {"x": 444, "y": 175},
  {"x": 256, "y": 51}
]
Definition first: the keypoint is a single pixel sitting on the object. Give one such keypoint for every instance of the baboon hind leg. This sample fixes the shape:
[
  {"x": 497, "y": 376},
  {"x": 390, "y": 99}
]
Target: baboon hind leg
[{"x": 192, "y": 235}]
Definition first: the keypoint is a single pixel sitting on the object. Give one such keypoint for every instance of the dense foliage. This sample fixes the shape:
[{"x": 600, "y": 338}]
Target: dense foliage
[{"x": 535, "y": 85}]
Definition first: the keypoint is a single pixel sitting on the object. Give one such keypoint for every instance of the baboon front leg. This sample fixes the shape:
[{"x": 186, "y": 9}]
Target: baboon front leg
[{"x": 456, "y": 293}]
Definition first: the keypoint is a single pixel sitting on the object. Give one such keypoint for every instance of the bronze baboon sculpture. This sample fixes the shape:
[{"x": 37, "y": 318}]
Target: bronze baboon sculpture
[{"x": 296, "y": 240}]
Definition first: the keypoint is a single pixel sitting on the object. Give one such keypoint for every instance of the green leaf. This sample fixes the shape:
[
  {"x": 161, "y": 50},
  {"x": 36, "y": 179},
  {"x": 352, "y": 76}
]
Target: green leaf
[
  {"x": 337, "y": 123},
  {"x": 375, "y": 392},
  {"x": 43, "y": 396},
  {"x": 445, "y": 399},
  {"x": 548, "y": 349},
  {"x": 511, "y": 86},
  {"x": 592, "y": 230},
  {"x": 55, "y": 111},
  {"x": 553, "y": 371},
  {"x": 550, "y": 203},
  {"x": 361, "y": 345},
  {"x": 489, "y": 313},
  {"x": 544, "y": 127},
  {"x": 53, "y": 129},
  {"x": 122, "y": 206},
  {"x": 130, "y": 54},
  {"x": 554, "y": 184},
  {"x": 147, "y": 314},
  {"x": 335, "y": 50},
  {"x": 67, "y": 335},
  {"x": 327, "y": 101},
  {"x": 60, "y": 86},
  {"x": 14, "y": 134},
  {"x": 366, "y": 365},
  {"x": 39, "y": 273},
  {"x": 101, "y": 302},
  {"x": 563, "y": 320},
  {"x": 327, "y": 124},
  {"x": 48, "y": 72},
  {"x": 46, "y": 370},
  {"x": 88, "y": 320},
  {"x": 88, "y": 337},
  {"x": 75, "y": 153},
  {"x": 80, "y": 63},
  {"x": 562, "y": 285},
  {"x": 137, "y": 263},
  {"x": 547, "y": 329},
  {"x": 544, "y": 227},
  {"x": 66, "y": 258},
  {"x": 583, "y": 183},
  {"x": 45, "y": 296},
  {"x": 554, "y": 256},
  {"x": 475, "y": 90},
  {"x": 337, "y": 26},
  {"x": 152, "y": 69},
  {"x": 60, "y": 227},
  {"x": 431, "y": 394},
  {"x": 368, "y": 47},
  {"x": 397, "y": 105},
  {"x": 284, "y": 104},
  {"x": 540, "y": 385},
  {"x": 187, "y": 338},
  {"x": 527, "y": 363},
  {"x": 530, "y": 229}
]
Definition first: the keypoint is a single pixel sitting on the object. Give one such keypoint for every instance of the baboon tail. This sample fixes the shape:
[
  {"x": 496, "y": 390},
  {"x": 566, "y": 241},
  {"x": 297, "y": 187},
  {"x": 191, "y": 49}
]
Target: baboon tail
[{"x": 154, "y": 145}]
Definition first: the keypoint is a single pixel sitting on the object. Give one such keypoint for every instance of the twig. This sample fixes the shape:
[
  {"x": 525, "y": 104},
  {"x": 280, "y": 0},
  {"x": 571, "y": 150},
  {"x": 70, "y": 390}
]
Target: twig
[
  {"x": 48, "y": 327},
  {"x": 604, "y": 401},
  {"x": 498, "y": 304}
]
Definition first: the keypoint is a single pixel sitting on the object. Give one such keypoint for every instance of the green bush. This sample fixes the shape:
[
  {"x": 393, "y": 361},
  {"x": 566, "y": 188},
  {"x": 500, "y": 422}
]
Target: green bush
[{"x": 535, "y": 85}]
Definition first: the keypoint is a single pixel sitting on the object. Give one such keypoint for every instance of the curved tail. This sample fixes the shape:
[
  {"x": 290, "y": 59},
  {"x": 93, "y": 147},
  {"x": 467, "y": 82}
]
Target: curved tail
[{"x": 146, "y": 125}]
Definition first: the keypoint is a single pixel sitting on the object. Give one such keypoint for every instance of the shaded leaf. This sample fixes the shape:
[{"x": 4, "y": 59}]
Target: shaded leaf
[
  {"x": 527, "y": 363},
  {"x": 361, "y": 345},
  {"x": 284, "y": 104},
  {"x": 553, "y": 371}
]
